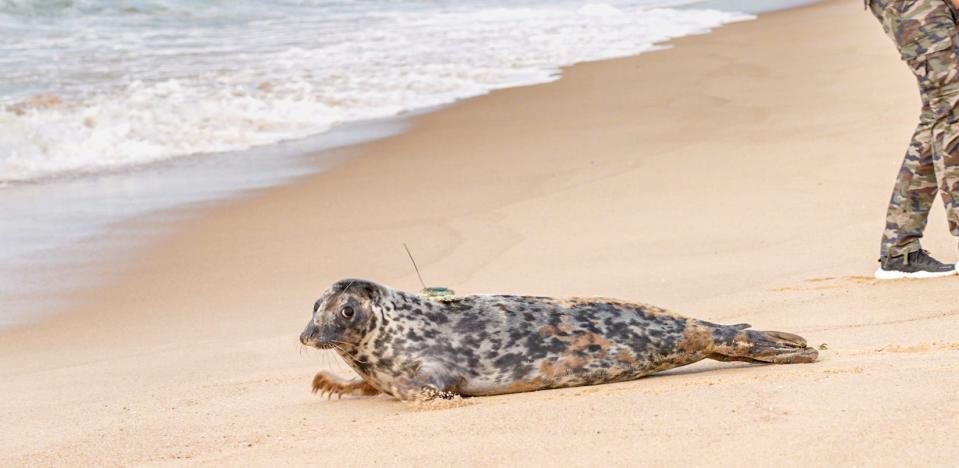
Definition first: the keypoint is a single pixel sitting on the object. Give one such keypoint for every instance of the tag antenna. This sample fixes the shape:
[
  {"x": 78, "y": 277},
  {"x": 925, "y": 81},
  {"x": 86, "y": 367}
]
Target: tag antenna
[{"x": 415, "y": 268}]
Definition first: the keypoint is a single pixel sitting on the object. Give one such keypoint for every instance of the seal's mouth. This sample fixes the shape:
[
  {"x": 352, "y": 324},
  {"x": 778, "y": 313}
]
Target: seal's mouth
[
  {"x": 310, "y": 337},
  {"x": 315, "y": 343}
]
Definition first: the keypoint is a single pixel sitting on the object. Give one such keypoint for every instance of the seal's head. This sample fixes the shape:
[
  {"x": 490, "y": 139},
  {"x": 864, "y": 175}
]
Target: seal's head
[{"x": 343, "y": 315}]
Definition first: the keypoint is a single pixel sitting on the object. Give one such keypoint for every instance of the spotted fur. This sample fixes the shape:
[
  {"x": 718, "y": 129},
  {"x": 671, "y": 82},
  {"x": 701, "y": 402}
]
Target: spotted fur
[{"x": 411, "y": 347}]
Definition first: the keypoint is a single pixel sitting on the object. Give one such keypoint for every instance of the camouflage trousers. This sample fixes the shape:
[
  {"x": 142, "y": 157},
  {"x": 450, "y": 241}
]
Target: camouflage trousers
[{"x": 925, "y": 31}]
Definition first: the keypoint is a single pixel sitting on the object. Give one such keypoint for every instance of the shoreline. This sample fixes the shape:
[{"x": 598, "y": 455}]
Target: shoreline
[
  {"x": 59, "y": 228},
  {"x": 686, "y": 178},
  {"x": 134, "y": 196}
]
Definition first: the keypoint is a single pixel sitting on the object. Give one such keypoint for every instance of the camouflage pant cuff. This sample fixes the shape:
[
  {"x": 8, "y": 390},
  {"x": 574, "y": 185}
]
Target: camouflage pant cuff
[{"x": 898, "y": 250}]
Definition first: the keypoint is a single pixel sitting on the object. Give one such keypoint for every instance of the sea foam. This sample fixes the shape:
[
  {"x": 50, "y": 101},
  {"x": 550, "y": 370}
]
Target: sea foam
[{"x": 100, "y": 85}]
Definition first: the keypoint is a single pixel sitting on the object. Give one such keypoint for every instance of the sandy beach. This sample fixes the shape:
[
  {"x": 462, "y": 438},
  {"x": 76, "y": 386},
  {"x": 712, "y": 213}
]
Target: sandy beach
[{"x": 739, "y": 176}]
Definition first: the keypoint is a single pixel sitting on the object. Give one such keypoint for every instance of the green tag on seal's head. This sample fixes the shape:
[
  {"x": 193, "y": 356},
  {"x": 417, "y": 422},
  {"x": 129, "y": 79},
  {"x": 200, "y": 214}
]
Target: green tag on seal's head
[{"x": 438, "y": 293}]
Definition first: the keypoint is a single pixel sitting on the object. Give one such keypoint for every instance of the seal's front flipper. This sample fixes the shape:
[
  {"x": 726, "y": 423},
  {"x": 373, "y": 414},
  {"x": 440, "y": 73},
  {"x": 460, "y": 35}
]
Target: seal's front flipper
[
  {"x": 327, "y": 384},
  {"x": 737, "y": 344}
]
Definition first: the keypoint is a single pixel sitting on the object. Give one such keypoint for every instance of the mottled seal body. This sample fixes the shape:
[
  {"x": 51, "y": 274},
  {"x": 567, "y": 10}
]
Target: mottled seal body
[{"x": 414, "y": 348}]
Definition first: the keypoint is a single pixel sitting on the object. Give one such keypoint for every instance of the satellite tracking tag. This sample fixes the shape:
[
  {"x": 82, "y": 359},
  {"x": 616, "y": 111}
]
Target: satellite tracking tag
[
  {"x": 433, "y": 293},
  {"x": 436, "y": 293}
]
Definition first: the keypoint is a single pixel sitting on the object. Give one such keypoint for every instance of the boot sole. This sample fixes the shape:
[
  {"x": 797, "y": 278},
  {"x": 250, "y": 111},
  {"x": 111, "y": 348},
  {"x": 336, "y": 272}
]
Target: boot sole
[{"x": 893, "y": 274}]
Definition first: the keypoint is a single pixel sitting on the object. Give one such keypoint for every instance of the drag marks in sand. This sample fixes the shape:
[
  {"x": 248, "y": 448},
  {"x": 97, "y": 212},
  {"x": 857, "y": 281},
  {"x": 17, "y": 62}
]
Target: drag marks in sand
[
  {"x": 829, "y": 282},
  {"x": 931, "y": 347}
]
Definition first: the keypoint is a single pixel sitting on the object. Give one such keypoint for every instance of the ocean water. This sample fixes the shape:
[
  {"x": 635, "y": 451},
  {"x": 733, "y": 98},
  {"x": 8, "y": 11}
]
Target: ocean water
[
  {"x": 112, "y": 110},
  {"x": 66, "y": 234},
  {"x": 95, "y": 85}
]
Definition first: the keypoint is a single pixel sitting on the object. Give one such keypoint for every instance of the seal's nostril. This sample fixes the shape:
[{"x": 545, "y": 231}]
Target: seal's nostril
[{"x": 309, "y": 334}]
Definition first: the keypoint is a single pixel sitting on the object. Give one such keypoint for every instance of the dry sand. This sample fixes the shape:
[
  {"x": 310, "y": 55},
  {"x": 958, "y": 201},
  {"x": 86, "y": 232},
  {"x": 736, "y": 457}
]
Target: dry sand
[{"x": 741, "y": 176}]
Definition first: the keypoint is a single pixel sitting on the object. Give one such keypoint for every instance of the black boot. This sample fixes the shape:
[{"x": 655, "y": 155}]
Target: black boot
[{"x": 916, "y": 264}]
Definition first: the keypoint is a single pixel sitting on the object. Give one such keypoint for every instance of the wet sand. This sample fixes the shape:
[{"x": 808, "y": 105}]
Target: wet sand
[{"x": 740, "y": 176}]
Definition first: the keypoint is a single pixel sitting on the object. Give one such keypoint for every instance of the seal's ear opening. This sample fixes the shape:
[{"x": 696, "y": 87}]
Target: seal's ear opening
[{"x": 372, "y": 291}]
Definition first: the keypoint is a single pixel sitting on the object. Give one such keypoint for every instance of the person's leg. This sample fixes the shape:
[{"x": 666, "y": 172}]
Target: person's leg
[
  {"x": 943, "y": 73},
  {"x": 926, "y": 35},
  {"x": 912, "y": 196},
  {"x": 917, "y": 28}
]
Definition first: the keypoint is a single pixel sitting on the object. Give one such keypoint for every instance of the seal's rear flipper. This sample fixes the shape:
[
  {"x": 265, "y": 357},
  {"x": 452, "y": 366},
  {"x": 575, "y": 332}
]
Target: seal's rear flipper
[{"x": 761, "y": 346}]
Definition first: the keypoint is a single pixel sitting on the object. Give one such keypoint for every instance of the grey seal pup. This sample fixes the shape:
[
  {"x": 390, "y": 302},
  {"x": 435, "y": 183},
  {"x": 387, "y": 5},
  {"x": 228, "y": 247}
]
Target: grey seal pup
[{"x": 419, "y": 348}]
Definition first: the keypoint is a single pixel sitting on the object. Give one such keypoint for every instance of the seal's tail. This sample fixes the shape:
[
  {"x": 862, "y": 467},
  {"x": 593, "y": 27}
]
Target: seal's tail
[{"x": 736, "y": 343}]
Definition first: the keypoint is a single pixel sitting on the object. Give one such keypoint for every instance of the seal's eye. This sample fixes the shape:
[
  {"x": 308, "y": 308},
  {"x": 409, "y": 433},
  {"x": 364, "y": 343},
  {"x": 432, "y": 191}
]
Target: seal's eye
[{"x": 347, "y": 312}]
